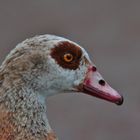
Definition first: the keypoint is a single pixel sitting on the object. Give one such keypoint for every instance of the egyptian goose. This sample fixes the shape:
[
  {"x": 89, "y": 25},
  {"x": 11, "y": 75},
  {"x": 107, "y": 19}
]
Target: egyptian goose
[{"x": 37, "y": 68}]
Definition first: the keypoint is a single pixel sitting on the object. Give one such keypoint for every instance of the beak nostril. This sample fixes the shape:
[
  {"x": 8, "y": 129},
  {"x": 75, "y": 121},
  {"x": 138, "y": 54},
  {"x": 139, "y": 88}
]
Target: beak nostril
[{"x": 102, "y": 82}]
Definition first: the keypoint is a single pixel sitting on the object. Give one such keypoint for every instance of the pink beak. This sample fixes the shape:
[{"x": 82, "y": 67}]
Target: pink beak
[{"x": 95, "y": 85}]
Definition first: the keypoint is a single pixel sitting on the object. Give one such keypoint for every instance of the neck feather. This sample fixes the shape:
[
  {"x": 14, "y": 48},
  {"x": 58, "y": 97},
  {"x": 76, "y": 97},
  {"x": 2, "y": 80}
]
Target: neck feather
[{"x": 25, "y": 110}]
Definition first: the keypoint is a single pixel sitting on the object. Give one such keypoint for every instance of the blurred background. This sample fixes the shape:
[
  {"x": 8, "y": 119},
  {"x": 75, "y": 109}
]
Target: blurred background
[{"x": 110, "y": 31}]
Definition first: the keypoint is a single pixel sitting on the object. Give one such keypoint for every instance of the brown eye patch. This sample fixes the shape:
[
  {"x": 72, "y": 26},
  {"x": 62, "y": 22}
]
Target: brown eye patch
[{"x": 67, "y": 55}]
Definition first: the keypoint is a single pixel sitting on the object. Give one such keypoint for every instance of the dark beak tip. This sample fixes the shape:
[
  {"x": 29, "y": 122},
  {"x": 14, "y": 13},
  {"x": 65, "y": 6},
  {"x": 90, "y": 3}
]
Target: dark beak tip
[{"x": 120, "y": 102}]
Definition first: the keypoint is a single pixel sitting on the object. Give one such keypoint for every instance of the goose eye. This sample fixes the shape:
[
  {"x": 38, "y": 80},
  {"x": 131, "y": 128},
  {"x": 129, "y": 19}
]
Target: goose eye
[{"x": 68, "y": 57}]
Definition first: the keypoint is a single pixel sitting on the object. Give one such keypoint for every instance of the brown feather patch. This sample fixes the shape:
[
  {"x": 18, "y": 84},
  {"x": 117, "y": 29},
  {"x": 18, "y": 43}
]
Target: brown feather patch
[
  {"x": 6, "y": 126},
  {"x": 63, "y": 48},
  {"x": 51, "y": 136}
]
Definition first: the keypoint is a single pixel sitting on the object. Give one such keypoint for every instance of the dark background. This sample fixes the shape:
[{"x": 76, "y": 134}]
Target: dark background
[{"x": 110, "y": 31}]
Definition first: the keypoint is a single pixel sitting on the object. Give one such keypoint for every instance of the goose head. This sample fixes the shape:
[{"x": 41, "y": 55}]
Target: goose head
[
  {"x": 59, "y": 65},
  {"x": 69, "y": 69}
]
